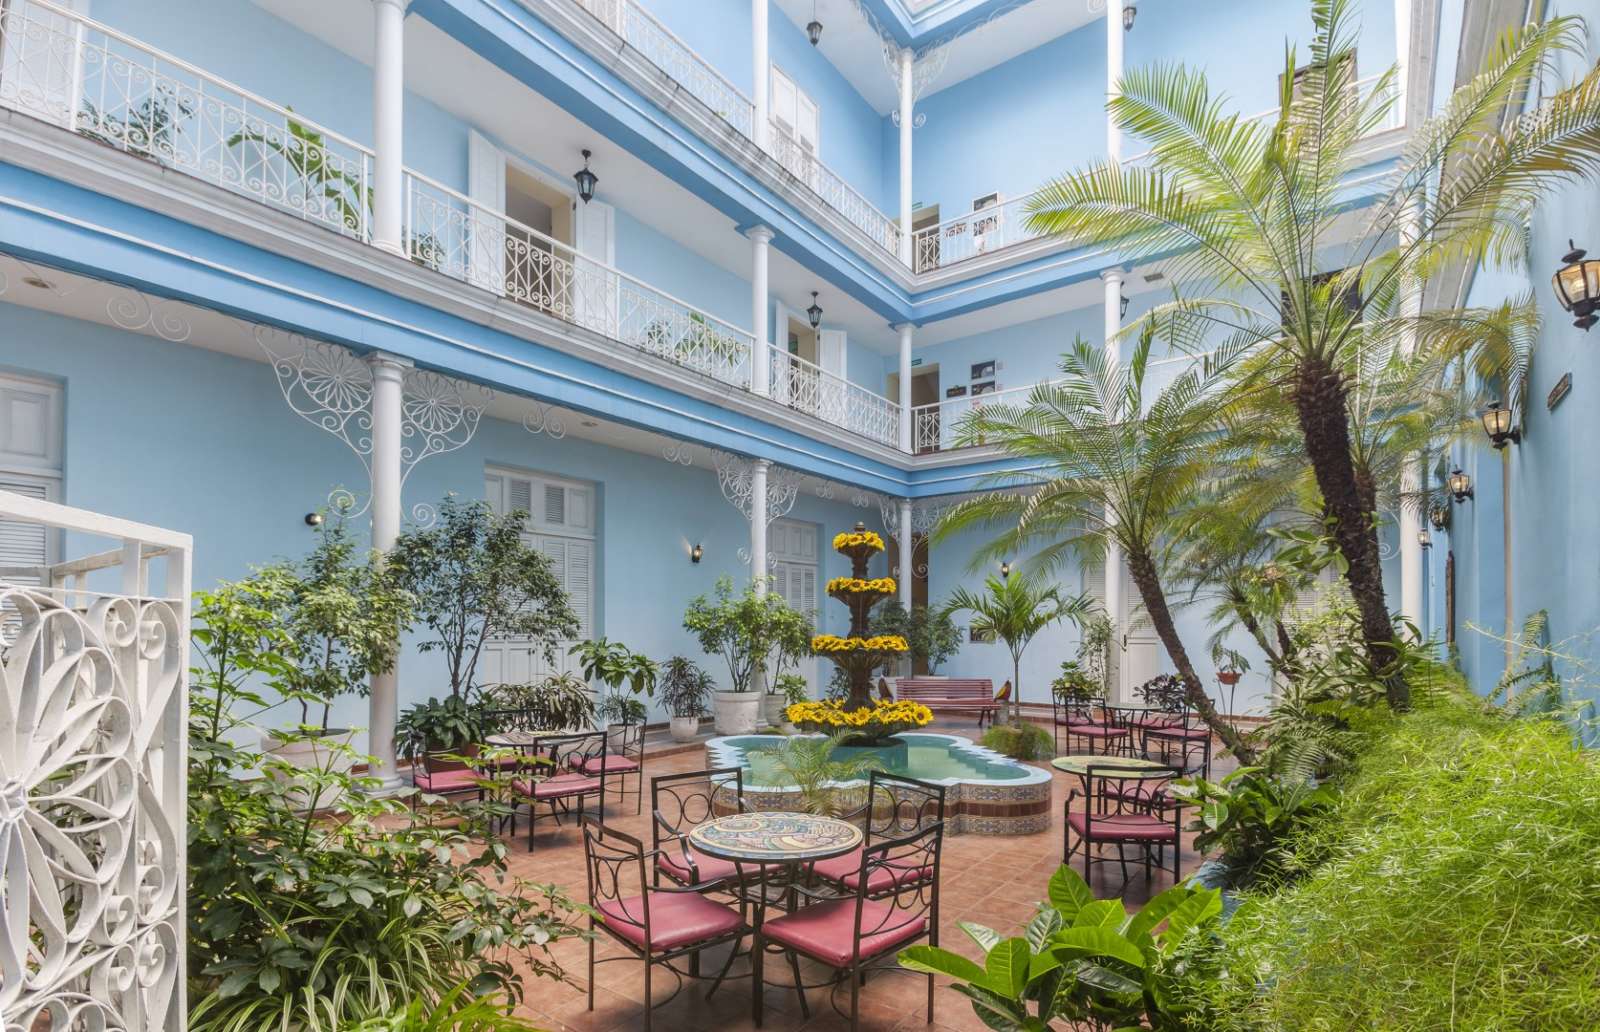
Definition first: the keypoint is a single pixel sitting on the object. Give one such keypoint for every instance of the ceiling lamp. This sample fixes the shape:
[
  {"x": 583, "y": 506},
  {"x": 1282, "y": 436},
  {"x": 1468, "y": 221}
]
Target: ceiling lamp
[
  {"x": 1497, "y": 424},
  {"x": 586, "y": 180},
  {"x": 814, "y": 313},
  {"x": 1577, "y": 286},
  {"x": 1129, "y": 13},
  {"x": 1460, "y": 485},
  {"x": 814, "y": 28}
]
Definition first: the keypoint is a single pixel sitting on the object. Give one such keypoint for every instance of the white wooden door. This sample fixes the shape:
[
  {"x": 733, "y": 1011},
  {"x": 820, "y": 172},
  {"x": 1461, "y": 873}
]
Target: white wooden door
[
  {"x": 40, "y": 62},
  {"x": 792, "y": 546},
  {"x": 595, "y": 287},
  {"x": 561, "y": 525},
  {"x": 486, "y": 185}
]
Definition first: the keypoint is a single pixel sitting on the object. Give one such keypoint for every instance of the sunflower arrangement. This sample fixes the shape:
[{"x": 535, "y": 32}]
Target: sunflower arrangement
[
  {"x": 857, "y": 586},
  {"x": 852, "y": 540},
  {"x": 825, "y": 644},
  {"x": 873, "y": 722}
]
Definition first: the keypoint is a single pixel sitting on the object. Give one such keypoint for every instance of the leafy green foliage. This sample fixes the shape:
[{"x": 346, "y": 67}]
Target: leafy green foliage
[
  {"x": 685, "y": 688},
  {"x": 475, "y": 580},
  {"x": 1253, "y": 820},
  {"x": 929, "y": 630},
  {"x": 1016, "y": 609},
  {"x": 436, "y": 726},
  {"x": 458, "y": 1011},
  {"x": 818, "y": 767},
  {"x": 748, "y": 630},
  {"x": 792, "y": 687},
  {"x": 306, "y": 153},
  {"x": 1020, "y": 741},
  {"x": 1080, "y": 959},
  {"x": 613, "y": 664},
  {"x": 1457, "y": 889},
  {"x": 315, "y": 904}
]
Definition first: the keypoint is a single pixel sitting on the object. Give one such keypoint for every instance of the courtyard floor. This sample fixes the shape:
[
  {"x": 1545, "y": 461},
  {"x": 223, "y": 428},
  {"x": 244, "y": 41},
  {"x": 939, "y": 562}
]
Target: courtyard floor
[{"x": 988, "y": 880}]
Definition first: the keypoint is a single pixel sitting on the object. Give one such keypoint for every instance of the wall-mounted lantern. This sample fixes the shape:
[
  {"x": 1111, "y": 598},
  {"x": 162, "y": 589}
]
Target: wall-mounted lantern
[
  {"x": 313, "y": 519},
  {"x": 1460, "y": 485},
  {"x": 814, "y": 313},
  {"x": 1129, "y": 13},
  {"x": 586, "y": 180},
  {"x": 1424, "y": 538},
  {"x": 696, "y": 553},
  {"x": 1005, "y": 570},
  {"x": 1577, "y": 286},
  {"x": 1439, "y": 516},
  {"x": 1122, "y": 306},
  {"x": 1497, "y": 424}
]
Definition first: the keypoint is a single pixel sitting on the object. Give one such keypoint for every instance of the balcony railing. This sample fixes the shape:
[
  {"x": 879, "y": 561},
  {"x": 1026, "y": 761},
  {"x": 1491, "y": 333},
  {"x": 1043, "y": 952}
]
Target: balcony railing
[
  {"x": 658, "y": 45},
  {"x": 807, "y": 387},
  {"x": 839, "y": 195}
]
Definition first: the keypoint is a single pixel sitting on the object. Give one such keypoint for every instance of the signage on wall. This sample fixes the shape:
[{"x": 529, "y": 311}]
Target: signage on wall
[
  {"x": 915, "y": 362},
  {"x": 1562, "y": 388},
  {"x": 983, "y": 370},
  {"x": 958, "y": 391}
]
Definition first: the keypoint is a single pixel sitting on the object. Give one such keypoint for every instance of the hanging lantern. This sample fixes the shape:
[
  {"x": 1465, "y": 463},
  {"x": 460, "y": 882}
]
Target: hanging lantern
[
  {"x": 814, "y": 27},
  {"x": 1129, "y": 13},
  {"x": 814, "y": 313},
  {"x": 1497, "y": 424},
  {"x": 586, "y": 180},
  {"x": 1577, "y": 286}
]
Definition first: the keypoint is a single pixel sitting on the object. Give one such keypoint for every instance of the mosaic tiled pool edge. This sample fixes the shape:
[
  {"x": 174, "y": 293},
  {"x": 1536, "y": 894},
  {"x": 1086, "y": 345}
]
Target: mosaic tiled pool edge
[{"x": 973, "y": 806}]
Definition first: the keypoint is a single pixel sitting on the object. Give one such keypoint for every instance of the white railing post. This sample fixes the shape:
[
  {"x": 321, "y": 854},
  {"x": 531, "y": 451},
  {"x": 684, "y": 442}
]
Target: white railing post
[
  {"x": 75, "y": 97},
  {"x": 906, "y": 330},
  {"x": 761, "y": 74},
  {"x": 907, "y": 99},
  {"x": 388, "y": 390},
  {"x": 760, "y": 375},
  {"x": 388, "y": 113}
]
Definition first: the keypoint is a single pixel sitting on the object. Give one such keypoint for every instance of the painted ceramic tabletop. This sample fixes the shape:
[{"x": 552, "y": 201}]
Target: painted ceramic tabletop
[
  {"x": 775, "y": 837},
  {"x": 1135, "y": 766}
]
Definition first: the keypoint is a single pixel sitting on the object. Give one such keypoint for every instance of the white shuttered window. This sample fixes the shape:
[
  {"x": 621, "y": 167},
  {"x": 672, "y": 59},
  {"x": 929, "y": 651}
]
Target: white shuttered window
[{"x": 30, "y": 465}]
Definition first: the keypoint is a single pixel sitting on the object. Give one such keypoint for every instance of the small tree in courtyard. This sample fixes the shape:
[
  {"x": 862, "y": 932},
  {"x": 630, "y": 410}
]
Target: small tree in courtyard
[{"x": 1016, "y": 609}]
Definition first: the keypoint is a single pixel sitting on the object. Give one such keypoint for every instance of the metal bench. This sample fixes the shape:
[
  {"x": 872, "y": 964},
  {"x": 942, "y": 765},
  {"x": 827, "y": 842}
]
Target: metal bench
[{"x": 961, "y": 694}]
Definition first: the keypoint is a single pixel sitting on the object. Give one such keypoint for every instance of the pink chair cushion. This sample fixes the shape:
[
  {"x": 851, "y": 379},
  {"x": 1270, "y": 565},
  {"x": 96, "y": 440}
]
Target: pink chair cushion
[
  {"x": 610, "y": 764},
  {"x": 559, "y": 787},
  {"x": 706, "y": 868},
  {"x": 1096, "y": 730},
  {"x": 1158, "y": 722},
  {"x": 827, "y": 931},
  {"x": 676, "y": 918},
  {"x": 846, "y": 870},
  {"x": 1121, "y": 826},
  {"x": 1193, "y": 734},
  {"x": 444, "y": 781}
]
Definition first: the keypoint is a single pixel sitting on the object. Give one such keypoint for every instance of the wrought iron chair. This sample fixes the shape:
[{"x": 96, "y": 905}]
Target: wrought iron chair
[
  {"x": 1184, "y": 741},
  {"x": 678, "y": 802},
  {"x": 1121, "y": 810},
  {"x": 851, "y": 933},
  {"x": 895, "y": 806},
  {"x": 563, "y": 759},
  {"x": 1081, "y": 715},
  {"x": 654, "y": 925},
  {"x": 624, "y": 758}
]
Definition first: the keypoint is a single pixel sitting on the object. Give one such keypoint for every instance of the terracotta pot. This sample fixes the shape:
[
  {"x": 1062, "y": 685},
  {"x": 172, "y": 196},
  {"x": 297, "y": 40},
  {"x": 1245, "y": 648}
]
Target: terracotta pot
[{"x": 1229, "y": 676}]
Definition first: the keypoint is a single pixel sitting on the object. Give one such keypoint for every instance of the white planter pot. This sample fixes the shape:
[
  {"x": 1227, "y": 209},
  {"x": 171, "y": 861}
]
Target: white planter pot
[
  {"x": 685, "y": 729},
  {"x": 737, "y": 712},
  {"x": 772, "y": 707}
]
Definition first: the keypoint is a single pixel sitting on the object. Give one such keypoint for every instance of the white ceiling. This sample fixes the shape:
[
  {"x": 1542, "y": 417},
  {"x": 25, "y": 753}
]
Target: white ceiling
[{"x": 851, "y": 45}]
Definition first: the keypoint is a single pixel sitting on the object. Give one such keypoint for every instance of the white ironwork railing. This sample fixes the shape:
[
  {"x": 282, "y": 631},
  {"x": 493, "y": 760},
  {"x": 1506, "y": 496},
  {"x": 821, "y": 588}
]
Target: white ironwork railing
[
  {"x": 800, "y": 162},
  {"x": 450, "y": 233},
  {"x": 69, "y": 70},
  {"x": 807, "y": 387},
  {"x": 93, "y": 707},
  {"x": 662, "y": 48},
  {"x": 1006, "y": 224}
]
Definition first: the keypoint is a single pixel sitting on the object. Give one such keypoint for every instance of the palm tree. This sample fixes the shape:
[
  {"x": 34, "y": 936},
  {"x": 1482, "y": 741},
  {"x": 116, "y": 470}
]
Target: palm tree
[
  {"x": 1015, "y": 608},
  {"x": 1104, "y": 468},
  {"x": 1248, "y": 211}
]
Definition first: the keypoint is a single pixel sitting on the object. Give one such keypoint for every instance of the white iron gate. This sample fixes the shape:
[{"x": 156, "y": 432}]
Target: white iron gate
[{"x": 93, "y": 725}]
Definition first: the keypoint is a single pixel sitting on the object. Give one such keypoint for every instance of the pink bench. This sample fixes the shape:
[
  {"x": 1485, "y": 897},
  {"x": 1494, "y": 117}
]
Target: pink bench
[{"x": 965, "y": 694}]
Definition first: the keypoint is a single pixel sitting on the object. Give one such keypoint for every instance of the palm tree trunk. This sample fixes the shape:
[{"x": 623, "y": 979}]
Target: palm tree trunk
[
  {"x": 1319, "y": 400},
  {"x": 1143, "y": 570}
]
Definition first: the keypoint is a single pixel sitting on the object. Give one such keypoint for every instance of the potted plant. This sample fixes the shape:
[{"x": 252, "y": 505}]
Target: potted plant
[
  {"x": 785, "y": 691},
  {"x": 614, "y": 665},
  {"x": 930, "y": 631},
  {"x": 454, "y": 725},
  {"x": 340, "y": 615},
  {"x": 1014, "y": 609},
  {"x": 791, "y": 634},
  {"x": 684, "y": 691},
  {"x": 475, "y": 580},
  {"x": 743, "y": 629},
  {"x": 559, "y": 702}
]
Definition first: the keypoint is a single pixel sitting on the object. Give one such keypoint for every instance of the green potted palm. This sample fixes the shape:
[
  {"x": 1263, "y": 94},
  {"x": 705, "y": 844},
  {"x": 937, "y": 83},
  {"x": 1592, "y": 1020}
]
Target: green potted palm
[
  {"x": 1015, "y": 609},
  {"x": 685, "y": 690}
]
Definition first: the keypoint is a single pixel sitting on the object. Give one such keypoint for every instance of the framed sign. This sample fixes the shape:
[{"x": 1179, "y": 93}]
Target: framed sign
[
  {"x": 958, "y": 391},
  {"x": 983, "y": 370},
  {"x": 1562, "y": 388},
  {"x": 986, "y": 387}
]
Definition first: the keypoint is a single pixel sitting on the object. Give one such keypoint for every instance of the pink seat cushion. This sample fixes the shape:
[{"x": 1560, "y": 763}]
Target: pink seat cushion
[
  {"x": 1158, "y": 722},
  {"x": 1121, "y": 826},
  {"x": 827, "y": 931},
  {"x": 706, "y": 868},
  {"x": 443, "y": 781},
  {"x": 610, "y": 764},
  {"x": 840, "y": 867},
  {"x": 1096, "y": 730},
  {"x": 1193, "y": 734},
  {"x": 676, "y": 919},
  {"x": 559, "y": 787},
  {"x": 846, "y": 870}
]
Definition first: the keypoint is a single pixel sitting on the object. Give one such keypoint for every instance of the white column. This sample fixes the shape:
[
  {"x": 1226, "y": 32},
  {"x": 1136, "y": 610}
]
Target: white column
[
  {"x": 388, "y": 388},
  {"x": 907, "y": 547},
  {"x": 760, "y": 355},
  {"x": 761, "y": 68},
  {"x": 388, "y": 106},
  {"x": 1114, "y": 34},
  {"x": 1112, "y": 590},
  {"x": 905, "y": 387},
  {"x": 758, "y": 523},
  {"x": 907, "y": 63},
  {"x": 1402, "y": 56},
  {"x": 1411, "y": 471}
]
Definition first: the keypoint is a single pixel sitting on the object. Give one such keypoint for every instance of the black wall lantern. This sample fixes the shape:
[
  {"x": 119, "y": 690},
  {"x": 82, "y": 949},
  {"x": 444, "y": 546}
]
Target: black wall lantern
[
  {"x": 1129, "y": 13},
  {"x": 1122, "y": 306},
  {"x": 1005, "y": 570},
  {"x": 313, "y": 519},
  {"x": 696, "y": 553},
  {"x": 814, "y": 27},
  {"x": 586, "y": 180},
  {"x": 1424, "y": 538},
  {"x": 1460, "y": 485},
  {"x": 1497, "y": 424},
  {"x": 1439, "y": 517},
  {"x": 1577, "y": 286},
  {"x": 814, "y": 313}
]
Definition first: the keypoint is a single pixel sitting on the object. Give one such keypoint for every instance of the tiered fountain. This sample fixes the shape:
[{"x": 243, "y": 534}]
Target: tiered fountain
[{"x": 860, "y": 653}]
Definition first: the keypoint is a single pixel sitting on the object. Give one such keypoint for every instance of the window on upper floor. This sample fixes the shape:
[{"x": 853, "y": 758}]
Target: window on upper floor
[
  {"x": 30, "y": 465},
  {"x": 795, "y": 114}
]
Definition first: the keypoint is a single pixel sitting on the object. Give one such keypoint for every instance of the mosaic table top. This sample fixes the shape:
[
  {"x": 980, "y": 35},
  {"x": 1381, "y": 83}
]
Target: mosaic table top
[
  {"x": 1136, "y": 767},
  {"x": 515, "y": 739},
  {"x": 775, "y": 837}
]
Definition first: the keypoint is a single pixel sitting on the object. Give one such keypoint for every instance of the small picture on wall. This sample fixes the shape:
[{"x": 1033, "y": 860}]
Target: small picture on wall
[
  {"x": 983, "y": 370},
  {"x": 959, "y": 391},
  {"x": 978, "y": 637},
  {"x": 986, "y": 387}
]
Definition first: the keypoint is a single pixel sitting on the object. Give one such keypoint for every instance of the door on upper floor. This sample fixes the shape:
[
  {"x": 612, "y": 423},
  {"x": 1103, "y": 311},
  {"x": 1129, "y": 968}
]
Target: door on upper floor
[
  {"x": 796, "y": 124},
  {"x": 792, "y": 551},
  {"x": 925, "y": 412},
  {"x": 30, "y": 465},
  {"x": 562, "y": 525}
]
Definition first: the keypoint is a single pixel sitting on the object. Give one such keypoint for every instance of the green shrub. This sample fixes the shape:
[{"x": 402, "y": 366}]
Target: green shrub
[
  {"x": 1460, "y": 889},
  {"x": 1020, "y": 741}
]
